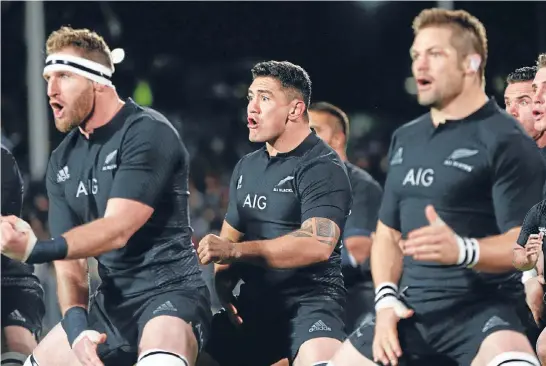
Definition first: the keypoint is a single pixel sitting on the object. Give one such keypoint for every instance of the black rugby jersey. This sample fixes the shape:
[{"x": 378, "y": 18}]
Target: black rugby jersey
[
  {"x": 139, "y": 156},
  {"x": 481, "y": 173},
  {"x": 14, "y": 273},
  {"x": 362, "y": 221},
  {"x": 271, "y": 196},
  {"x": 534, "y": 223}
]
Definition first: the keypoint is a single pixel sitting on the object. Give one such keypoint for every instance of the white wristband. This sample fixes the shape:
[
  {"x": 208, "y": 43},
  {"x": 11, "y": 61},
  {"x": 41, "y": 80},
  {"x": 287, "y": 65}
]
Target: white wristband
[
  {"x": 527, "y": 275},
  {"x": 469, "y": 251}
]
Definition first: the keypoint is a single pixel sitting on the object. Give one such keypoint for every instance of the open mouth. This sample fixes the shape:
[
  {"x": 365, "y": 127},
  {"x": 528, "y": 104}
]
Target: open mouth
[
  {"x": 537, "y": 115},
  {"x": 252, "y": 123},
  {"x": 423, "y": 82},
  {"x": 57, "y": 108}
]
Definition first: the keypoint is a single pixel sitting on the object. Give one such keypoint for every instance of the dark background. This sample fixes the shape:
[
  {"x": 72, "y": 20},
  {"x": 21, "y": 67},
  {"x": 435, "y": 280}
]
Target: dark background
[{"x": 196, "y": 58}]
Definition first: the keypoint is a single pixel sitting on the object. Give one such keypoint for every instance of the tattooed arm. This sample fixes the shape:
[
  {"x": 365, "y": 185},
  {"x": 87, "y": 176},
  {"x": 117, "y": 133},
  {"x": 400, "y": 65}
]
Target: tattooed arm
[{"x": 312, "y": 243}]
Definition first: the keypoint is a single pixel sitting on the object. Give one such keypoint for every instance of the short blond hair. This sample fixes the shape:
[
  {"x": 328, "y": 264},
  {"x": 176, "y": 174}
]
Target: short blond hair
[
  {"x": 541, "y": 61},
  {"x": 91, "y": 45},
  {"x": 469, "y": 35}
]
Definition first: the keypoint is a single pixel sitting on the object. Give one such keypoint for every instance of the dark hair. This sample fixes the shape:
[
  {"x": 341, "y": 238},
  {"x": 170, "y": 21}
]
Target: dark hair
[
  {"x": 522, "y": 74},
  {"x": 334, "y": 111},
  {"x": 290, "y": 76}
]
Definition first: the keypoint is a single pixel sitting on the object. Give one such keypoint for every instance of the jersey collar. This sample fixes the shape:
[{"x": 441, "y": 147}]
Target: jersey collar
[
  {"x": 106, "y": 131},
  {"x": 301, "y": 149}
]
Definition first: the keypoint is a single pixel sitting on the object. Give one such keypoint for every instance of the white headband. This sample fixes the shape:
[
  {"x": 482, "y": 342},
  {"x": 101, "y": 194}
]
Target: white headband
[{"x": 78, "y": 65}]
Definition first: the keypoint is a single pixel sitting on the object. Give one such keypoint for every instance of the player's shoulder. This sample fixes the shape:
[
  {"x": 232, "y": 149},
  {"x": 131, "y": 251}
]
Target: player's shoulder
[
  {"x": 250, "y": 159},
  {"x": 361, "y": 179},
  {"x": 412, "y": 127},
  {"x": 539, "y": 208},
  {"x": 64, "y": 148},
  {"x": 147, "y": 118},
  {"x": 321, "y": 156},
  {"x": 497, "y": 127}
]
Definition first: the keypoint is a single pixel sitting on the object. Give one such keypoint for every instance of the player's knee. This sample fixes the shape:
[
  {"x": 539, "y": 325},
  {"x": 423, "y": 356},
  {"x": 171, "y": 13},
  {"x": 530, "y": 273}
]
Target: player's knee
[
  {"x": 541, "y": 348},
  {"x": 514, "y": 359},
  {"x": 31, "y": 361},
  {"x": 155, "y": 357},
  {"x": 13, "y": 359}
]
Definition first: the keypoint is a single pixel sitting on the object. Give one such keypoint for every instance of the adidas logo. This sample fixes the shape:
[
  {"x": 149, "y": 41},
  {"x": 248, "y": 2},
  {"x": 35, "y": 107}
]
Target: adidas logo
[
  {"x": 397, "y": 157},
  {"x": 167, "y": 306},
  {"x": 320, "y": 326},
  {"x": 63, "y": 175},
  {"x": 16, "y": 315},
  {"x": 493, "y": 322}
]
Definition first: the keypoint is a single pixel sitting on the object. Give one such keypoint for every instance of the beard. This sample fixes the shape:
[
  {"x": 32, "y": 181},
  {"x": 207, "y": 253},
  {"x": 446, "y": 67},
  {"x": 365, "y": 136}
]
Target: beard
[{"x": 78, "y": 112}]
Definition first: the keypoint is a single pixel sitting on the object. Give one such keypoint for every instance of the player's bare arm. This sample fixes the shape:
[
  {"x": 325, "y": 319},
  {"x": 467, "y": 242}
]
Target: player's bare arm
[
  {"x": 72, "y": 283},
  {"x": 312, "y": 243}
]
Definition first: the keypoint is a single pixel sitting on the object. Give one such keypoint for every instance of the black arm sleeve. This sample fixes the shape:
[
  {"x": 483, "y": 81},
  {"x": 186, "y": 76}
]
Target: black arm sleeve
[
  {"x": 366, "y": 203},
  {"x": 389, "y": 213},
  {"x": 150, "y": 151},
  {"x": 60, "y": 217},
  {"x": 530, "y": 224},
  {"x": 232, "y": 215},
  {"x": 12, "y": 185},
  {"x": 324, "y": 190},
  {"x": 519, "y": 175}
]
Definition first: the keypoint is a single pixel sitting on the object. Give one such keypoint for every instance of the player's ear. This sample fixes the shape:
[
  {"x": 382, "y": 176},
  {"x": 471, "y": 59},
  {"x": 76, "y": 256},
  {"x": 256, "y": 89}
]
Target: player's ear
[
  {"x": 297, "y": 109},
  {"x": 472, "y": 63}
]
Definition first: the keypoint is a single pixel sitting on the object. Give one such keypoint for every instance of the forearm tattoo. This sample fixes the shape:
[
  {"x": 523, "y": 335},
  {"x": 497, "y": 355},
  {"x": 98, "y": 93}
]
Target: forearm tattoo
[{"x": 324, "y": 230}]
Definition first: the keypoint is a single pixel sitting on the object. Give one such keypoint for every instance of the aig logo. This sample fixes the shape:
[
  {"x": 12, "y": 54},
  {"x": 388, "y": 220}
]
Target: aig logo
[
  {"x": 91, "y": 186},
  {"x": 259, "y": 202},
  {"x": 419, "y": 177}
]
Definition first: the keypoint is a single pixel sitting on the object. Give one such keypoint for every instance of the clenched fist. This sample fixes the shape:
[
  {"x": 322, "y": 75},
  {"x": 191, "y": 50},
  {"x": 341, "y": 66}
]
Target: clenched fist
[{"x": 213, "y": 248}]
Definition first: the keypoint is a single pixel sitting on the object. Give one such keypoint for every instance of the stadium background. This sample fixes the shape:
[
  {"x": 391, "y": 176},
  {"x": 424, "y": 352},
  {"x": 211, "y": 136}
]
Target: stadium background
[{"x": 191, "y": 61}]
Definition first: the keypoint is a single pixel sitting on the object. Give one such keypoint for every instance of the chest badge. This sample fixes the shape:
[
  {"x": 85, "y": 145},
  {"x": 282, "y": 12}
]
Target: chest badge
[{"x": 110, "y": 161}]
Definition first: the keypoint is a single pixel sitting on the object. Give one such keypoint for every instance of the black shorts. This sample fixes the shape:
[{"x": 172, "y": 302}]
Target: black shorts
[
  {"x": 273, "y": 332},
  {"x": 23, "y": 307},
  {"x": 456, "y": 333},
  {"x": 360, "y": 305},
  {"x": 123, "y": 319}
]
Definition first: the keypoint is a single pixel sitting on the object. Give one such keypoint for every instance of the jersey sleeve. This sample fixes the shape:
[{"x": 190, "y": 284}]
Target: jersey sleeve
[
  {"x": 232, "y": 214},
  {"x": 324, "y": 190},
  {"x": 519, "y": 175},
  {"x": 364, "y": 211},
  {"x": 61, "y": 218},
  {"x": 12, "y": 185},
  {"x": 389, "y": 213},
  {"x": 150, "y": 151},
  {"x": 530, "y": 225}
]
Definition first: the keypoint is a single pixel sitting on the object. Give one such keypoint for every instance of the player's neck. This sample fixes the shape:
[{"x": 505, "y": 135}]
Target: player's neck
[
  {"x": 105, "y": 109},
  {"x": 289, "y": 140},
  {"x": 342, "y": 154},
  {"x": 541, "y": 141},
  {"x": 463, "y": 105}
]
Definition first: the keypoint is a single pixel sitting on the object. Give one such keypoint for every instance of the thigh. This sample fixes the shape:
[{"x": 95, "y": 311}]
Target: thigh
[
  {"x": 121, "y": 347},
  {"x": 23, "y": 307},
  {"x": 415, "y": 349},
  {"x": 320, "y": 317},
  {"x": 191, "y": 306},
  {"x": 54, "y": 349},
  {"x": 464, "y": 329}
]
